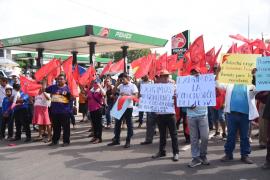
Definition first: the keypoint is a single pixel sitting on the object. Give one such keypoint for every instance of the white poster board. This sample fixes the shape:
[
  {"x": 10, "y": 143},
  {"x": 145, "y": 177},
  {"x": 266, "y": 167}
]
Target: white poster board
[
  {"x": 157, "y": 98},
  {"x": 196, "y": 90}
]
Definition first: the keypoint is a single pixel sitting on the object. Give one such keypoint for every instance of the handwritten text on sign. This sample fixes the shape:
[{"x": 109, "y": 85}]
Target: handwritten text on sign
[
  {"x": 196, "y": 91},
  {"x": 263, "y": 74},
  {"x": 157, "y": 98},
  {"x": 236, "y": 68}
]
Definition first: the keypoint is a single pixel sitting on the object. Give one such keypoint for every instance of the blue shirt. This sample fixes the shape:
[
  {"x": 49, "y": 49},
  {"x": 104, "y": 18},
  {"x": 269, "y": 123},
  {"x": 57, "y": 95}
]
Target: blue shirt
[
  {"x": 197, "y": 111},
  {"x": 25, "y": 104},
  {"x": 239, "y": 99},
  {"x": 60, "y": 102},
  {"x": 6, "y": 105}
]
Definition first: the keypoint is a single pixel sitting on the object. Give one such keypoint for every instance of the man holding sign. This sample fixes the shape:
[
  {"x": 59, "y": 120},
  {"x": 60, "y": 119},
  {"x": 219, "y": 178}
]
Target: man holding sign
[
  {"x": 166, "y": 119},
  {"x": 197, "y": 92},
  {"x": 126, "y": 88}
]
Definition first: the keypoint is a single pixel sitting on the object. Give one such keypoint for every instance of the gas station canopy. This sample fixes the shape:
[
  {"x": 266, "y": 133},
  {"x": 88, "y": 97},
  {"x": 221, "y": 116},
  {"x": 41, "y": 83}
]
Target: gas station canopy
[{"x": 78, "y": 39}]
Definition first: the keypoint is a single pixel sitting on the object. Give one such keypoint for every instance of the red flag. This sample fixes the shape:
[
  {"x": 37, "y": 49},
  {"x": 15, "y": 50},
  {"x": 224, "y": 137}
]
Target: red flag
[
  {"x": 76, "y": 73},
  {"x": 67, "y": 65},
  {"x": 179, "y": 66},
  {"x": 45, "y": 69},
  {"x": 106, "y": 69},
  {"x": 245, "y": 49},
  {"x": 144, "y": 67},
  {"x": 195, "y": 57},
  {"x": 161, "y": 62},
  {"x": 172, "y": 63},
  {"x": 72, "y": 85},
  {"x": 29, "y": 86},
  {"x": 152, "y": 71},
  {"x": 88, "y": 76},
  {"x": 123, "y": 99},
  {"x": 233, "y": 48},
  {"x": 54, "y": 73},
  {"x": 210, "y": 58},
  {"x": 136, "y": 63},
  {"x": 240, "y": 38},
  {"x": 117, "y": 66}
]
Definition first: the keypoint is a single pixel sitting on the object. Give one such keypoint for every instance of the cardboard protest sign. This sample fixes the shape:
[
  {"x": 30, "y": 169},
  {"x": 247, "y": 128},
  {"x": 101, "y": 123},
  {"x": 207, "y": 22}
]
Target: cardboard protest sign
[
  {"x": 157, "y": 98},
  {"x": 196, "y": 90},
  {"x": 119, "y": 113},
  {"x": 236, "y": 68},
  {"x": 263, "y": 74}
]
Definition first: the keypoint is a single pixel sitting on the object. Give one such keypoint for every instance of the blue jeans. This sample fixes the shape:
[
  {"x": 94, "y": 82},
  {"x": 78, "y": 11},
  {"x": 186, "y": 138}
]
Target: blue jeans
[
  {"x": 108, "y": 114},
  {"x": 128, "y": 117},
  {"x": 237, "y": 121}
]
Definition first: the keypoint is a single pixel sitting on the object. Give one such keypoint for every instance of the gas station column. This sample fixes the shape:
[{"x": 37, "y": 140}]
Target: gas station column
[
  {"x": 124, "y": 51},
  {"x": 39, "y": 59},
  {"x": 74, "y": 55},
  {"x": 92, "y": 46}
]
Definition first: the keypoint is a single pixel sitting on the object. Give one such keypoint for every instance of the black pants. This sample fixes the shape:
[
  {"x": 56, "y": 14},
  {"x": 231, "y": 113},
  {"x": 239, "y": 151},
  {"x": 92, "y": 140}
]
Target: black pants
[
  {"x": 117, "y": 129},
  {"x": 165, "y": 121},
  {"x": 96, "y": 117},
  {"x": 61, "y": 121},
  {"x": 7, "y": 121},
  {"x": 72, "y": 118},
  {"x": 22, "y": 119},
  {"x": 268, "y": 142}
]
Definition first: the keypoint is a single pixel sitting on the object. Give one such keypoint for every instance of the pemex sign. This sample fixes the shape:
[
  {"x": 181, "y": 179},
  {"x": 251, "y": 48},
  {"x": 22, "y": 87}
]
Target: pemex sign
[{"x": 180, "y": 43}]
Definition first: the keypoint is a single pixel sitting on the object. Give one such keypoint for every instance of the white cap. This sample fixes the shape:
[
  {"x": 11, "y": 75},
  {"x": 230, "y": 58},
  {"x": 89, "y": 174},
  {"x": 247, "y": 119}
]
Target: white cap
[{"x": 8, "y": 87}]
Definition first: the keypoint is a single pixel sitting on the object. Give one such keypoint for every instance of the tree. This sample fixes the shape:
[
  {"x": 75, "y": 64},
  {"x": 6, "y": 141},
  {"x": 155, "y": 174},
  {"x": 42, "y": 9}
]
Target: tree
[{"x": 132, "y": 54}]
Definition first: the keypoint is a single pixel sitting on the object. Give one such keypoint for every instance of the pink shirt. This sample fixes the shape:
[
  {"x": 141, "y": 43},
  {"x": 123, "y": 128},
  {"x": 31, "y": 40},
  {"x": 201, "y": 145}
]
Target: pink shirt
[{"x": 94, "y": 100}]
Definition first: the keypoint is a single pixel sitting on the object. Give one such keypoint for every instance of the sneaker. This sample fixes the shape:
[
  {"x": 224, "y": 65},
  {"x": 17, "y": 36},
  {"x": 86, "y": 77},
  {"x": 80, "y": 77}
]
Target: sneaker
[
  {"x": 266, "y": 165},
  {"x": 159, "y": 155},
  {"x": 250, "y": 140},
  {"x": 146, "y": 142},
  {"x": 205, "y": 160},
  {"x": 27, "y": 140},
  {"x": 127, "y": 145},
  {"x": 175, "y": 157},
  {"x": 195, "y": 162},
  {"x": 224, "y": 135},
  {"x": 246, "y": 160},
  {"x": 65, "y": 144},
  {"x": 113, "y": 143},
  {"x": 216, "y": 134},
  {"x": 226, "y": 158},
  {"x": 53, "y": 144}
]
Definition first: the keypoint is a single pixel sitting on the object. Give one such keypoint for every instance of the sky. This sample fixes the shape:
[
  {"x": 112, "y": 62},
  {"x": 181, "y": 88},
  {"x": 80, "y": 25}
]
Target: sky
[{"x": 214, "y": 19}]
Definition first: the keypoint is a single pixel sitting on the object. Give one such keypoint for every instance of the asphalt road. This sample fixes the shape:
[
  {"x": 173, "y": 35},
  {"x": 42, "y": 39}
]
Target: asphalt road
[{"x": 82, "y": 160}]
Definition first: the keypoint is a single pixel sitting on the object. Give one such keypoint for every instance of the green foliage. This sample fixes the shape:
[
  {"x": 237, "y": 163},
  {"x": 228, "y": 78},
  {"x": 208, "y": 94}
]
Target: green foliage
[{"x": 132, "y": 54}]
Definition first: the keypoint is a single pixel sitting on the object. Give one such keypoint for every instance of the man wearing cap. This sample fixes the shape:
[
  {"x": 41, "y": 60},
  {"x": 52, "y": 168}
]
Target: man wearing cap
[
  {"x": 164, "y": 121},
  {"x": 126, "y": 88}
]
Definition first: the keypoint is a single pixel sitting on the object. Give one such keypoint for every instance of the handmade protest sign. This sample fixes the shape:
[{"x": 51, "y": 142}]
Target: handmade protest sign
[
  {"x": 196, "y": 90},
  {"x": 157, "y": 98},
  {"x": 263, "y": 74},
  {"x": 236, "y": 68},
  {"x": 115, "y": 112}
]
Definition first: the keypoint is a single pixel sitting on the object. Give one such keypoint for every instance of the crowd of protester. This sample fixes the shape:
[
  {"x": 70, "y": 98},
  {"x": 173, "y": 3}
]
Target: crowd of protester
[{"x": 238, "y": 108}]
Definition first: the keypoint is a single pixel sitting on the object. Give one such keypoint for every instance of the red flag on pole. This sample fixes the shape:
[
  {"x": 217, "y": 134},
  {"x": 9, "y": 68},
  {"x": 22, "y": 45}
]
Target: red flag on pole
[
  {"x": 29, "y": 86},
  {"x": 144, "y": 67},
  {"x": 76, "y": 73},
  {"x": 117, "y": 67},
  {"x": 152, "y": 71},
  {"x": 72, "y": 85},
  {"x": 245, "y": 49},
  {"x": 45, "y": 69},
  {"x": 54, "y": 73},
  {"x": 88, "y": 76},
  {"x": 161, "y": 62},
  {"x": 172, "y": 63},
  {"x": 106, "y": 69},
  {"x": 240, "y": 38},
  {"x": 233, "y": 49}
]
